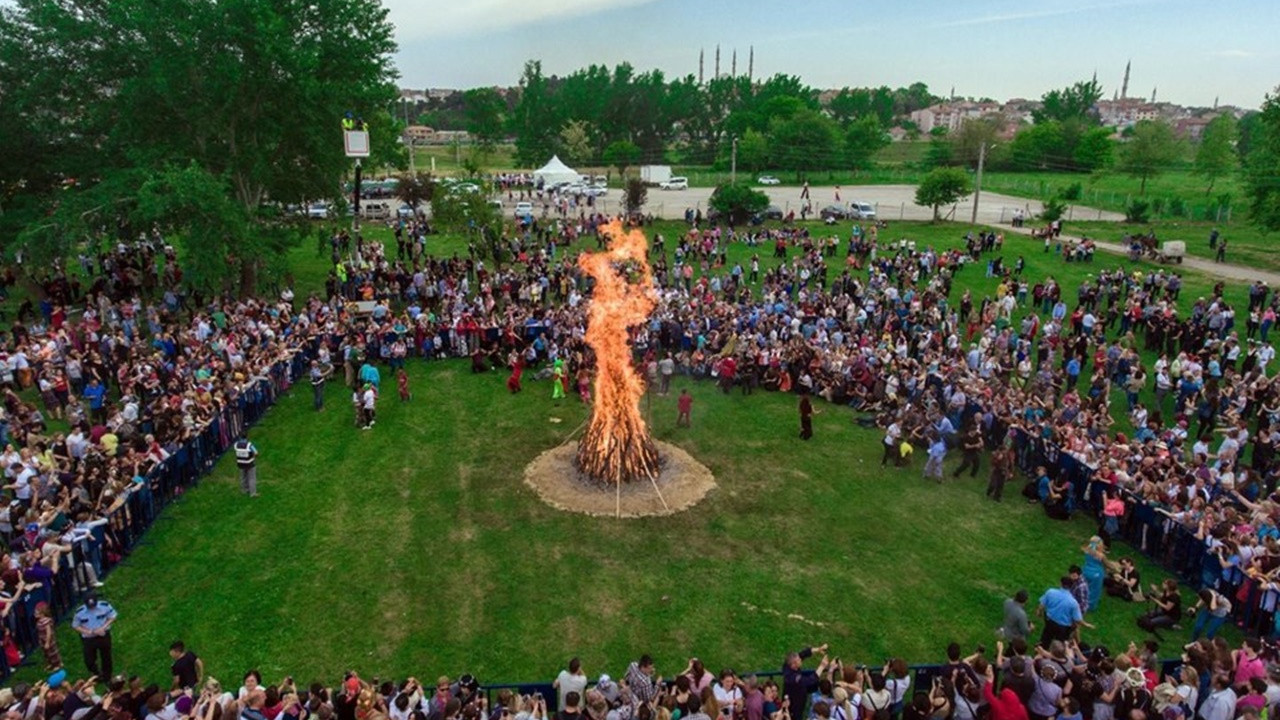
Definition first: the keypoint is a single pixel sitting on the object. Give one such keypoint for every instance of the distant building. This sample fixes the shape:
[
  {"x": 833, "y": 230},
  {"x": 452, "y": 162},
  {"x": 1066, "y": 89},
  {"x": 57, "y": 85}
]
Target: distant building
[
  {"x": 951, "y": 115},
  {"x": 424, "y": 135},
  {"x": 1127, "y": 112},
  {"x": 1192, "y": 128}
]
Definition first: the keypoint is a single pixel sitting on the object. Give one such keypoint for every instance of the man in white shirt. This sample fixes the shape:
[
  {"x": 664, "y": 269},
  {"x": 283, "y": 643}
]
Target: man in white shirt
[
  {"x": 571, "y": 680},
  {"x": 1221, "y": 703}
]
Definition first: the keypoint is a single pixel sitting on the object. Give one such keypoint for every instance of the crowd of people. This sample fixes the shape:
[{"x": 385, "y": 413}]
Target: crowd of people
[{"x": 138, "y": 365}]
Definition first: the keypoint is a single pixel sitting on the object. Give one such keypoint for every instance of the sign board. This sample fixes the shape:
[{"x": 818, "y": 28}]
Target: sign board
[
  {"x": 361, "y": 307},
  {"x": 357, "y": 143}
]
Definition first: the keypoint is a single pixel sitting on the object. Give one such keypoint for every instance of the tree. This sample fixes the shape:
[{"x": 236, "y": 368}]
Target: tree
[
  {"x": 621, "y": 154},
  {"x": 1152, "y": 150},
  {"x": 738, "y": 202},
  {"x": 1039, "y": 146},
  {"x": 415, "y": 190},
  {"x": 805, "y": 141},
  {"x": 939, "y": 152},
  {"x": 484, "y": 109},
  {"x": 864, "y": 138},
  {"x": 199, "y": 117},
  {"x": 535, "y": 120},
  {"x": 967, "y": 141},
  {"x": 1262, "y": 166},
  {"x": 575, "y": 141},
  {"x": 1216, "y": 155},
  {"x": 1095, "y": 150},
  {"x": 753, "y": 150},
  {"x": 1072, "y": 103},
  {"x": 942, "y": 186},
  {"x": 469, "y": 213},
  {"x": 636, "y": 195}
]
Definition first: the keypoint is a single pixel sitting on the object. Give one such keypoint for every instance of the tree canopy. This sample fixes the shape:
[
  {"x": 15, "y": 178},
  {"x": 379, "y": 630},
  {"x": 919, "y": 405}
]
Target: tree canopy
[
  {"x": 1262, "y": 165},
  {"x": 189, "y": 115},
  {"x": 1152, "y": 150},
  {"x": 942, "y": 186}
]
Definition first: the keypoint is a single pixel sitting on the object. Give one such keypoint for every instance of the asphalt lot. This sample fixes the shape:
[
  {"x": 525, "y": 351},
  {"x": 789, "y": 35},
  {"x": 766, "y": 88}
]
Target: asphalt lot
[{"x": 892, "y": 202}]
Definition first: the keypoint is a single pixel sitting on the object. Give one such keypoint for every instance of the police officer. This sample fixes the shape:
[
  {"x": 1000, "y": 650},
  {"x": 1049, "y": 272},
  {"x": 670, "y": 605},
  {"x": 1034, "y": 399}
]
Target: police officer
[
  {"x": 93, "y": 620},
  {"x": 246, "y": 460}
]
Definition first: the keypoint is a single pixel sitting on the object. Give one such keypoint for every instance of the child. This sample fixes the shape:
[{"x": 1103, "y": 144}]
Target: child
[{"x": 402, "y": 384}]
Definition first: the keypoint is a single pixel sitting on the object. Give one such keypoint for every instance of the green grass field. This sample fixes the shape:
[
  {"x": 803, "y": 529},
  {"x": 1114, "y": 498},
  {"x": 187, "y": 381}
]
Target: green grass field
[
  {"x": 1247, "y": 244},
  {"x": 414, "y": 547}
]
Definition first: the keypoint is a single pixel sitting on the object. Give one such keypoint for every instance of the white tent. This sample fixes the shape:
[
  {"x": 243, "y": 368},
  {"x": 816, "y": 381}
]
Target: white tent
[{"x": 554, "y": 172}]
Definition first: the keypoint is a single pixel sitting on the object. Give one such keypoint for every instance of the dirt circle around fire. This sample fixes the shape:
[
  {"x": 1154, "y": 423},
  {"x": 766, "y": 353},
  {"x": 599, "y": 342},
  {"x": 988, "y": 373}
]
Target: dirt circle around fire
[{"x": 682, "y": 483}]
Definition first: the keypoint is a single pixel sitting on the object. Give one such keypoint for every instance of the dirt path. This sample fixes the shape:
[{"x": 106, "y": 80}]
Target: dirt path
[{"x": 1226, "y": 271}]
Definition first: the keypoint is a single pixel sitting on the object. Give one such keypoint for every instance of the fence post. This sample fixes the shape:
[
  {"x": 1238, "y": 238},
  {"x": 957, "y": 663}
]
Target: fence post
[{"x": 902, "y": 211}]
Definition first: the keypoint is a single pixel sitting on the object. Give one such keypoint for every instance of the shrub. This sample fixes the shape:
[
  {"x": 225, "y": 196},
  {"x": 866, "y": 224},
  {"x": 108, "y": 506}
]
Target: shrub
[
  {"x": 1139, "y": 211},
  {"x": 1177, "y": 207},
  {"x": 1072, "y": 192},
  {"x": 1054, "y": 209}
]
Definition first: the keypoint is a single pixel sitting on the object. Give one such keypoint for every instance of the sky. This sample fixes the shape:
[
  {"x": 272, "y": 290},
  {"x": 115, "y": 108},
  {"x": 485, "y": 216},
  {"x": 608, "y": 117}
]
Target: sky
[{"x": 1189, "y": 51}]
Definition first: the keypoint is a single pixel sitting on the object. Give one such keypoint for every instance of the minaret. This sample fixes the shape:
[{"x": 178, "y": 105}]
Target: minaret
[
  {"x": 1153, "y": 96},
  {"x": 751, "y": 63},
  {"x": 733, "y": 64},
  {"x": 1124, "y": 87},
  {"x": 717, "y": 75},
  {"x": 701, "y": 54},
  {"x": 953, "y": 93},
  {"x": 1115, "y": 95},
  {"x": 1215, "y": 102},
  {"x": 1095, "y": 76}
]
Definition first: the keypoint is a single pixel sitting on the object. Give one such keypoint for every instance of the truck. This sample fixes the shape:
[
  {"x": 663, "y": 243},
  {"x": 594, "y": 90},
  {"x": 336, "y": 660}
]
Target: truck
[{"x": 655, "y": 174}]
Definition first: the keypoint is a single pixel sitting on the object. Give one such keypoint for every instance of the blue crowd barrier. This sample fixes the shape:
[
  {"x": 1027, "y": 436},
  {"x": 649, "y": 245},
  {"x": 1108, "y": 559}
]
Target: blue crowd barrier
[{"x": 108, "y": 544}]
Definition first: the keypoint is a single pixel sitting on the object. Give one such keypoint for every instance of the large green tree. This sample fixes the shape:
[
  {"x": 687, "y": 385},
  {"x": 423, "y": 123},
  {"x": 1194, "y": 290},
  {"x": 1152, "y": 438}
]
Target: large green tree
[
  {"x": 942, "y": 186},
  {"x": 1262, "y": 165},
  {"x": 807, "y": 140},
  {"x": 1151, "y": 150},
  {"x": 485, "y": 111},
  {"x": 188, "y": 114},
  {"x": 1216, "y": 154},
  {"x": 863, "y": 139}
]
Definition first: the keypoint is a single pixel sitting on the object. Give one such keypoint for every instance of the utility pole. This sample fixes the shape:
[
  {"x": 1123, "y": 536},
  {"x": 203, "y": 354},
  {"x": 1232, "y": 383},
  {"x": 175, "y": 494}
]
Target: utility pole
[
  {"x": 733, "y": 163},
  {"x": 977, "y": 186}
]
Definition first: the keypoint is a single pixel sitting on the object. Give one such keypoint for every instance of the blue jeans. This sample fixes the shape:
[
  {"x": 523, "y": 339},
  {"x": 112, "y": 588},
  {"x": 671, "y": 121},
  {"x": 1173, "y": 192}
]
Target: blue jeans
[{"x": 1208, "y": 623}]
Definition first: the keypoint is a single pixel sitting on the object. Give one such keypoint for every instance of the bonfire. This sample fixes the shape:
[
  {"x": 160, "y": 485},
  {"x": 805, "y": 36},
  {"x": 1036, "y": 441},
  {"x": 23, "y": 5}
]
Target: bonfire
[{"x": 616, "y": 447}]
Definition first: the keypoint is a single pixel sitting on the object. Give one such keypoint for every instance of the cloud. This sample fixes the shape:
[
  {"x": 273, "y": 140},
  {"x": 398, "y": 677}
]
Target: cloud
[
  {"x": 1234, "y": 53},
  {"x": 1036, "y": 14},
  {"x": 435, "y": 18}
]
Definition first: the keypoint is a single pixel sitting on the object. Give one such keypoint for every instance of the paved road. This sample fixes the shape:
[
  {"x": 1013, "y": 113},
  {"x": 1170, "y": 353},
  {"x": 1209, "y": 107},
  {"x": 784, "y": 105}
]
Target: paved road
[
  {"x": 892, "y": 202},
  {"x": 1226, "y": 271}
]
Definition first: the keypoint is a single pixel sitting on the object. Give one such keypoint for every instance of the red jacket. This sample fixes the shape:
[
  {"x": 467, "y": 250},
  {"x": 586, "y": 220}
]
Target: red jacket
[{"x": 1005, "y": 706}]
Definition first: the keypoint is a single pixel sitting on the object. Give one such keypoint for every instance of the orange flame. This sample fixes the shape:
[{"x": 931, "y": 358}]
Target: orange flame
[{"x": 616, "y": 447}]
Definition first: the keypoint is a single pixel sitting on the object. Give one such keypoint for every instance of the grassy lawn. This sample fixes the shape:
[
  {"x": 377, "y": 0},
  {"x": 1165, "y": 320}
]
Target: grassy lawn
[
  {"x": 1247, "y": 244},
  {"x": 414, "y": 547}
]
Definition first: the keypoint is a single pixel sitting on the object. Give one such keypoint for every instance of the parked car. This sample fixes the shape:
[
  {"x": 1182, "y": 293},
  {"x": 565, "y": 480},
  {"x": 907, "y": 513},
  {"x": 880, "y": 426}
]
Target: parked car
[
  {"x": 318, "y": 211},
  {"x": 859, "y": 210},
  {"x": 405, "y": 211},
  {"x": 833, "y": 212},
  {"x": 773, "y": 212},
  {"x": 768, "y": 180},
  {"x": 375, "y": 210},
  {"x": 524, "y": 209},
  {"x": 675, "y": 183}
]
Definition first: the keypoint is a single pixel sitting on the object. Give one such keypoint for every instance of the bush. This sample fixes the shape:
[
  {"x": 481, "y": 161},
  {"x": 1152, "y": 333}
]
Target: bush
[
  {"x": 738, "y": 202},
  {"x": 1139, "y": 211},
  {"x": 1054, "y": 209},
  {"x": 1177, "y": 207},
  {"x": 1072, "y": 192}
]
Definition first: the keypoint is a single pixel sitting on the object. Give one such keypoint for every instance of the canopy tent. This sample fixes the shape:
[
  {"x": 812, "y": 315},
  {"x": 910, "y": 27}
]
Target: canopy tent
[{"x": 554, "y": 172}]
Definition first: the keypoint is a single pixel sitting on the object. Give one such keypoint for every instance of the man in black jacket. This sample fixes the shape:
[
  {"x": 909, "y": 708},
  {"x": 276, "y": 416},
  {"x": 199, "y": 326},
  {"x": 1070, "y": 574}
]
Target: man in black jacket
[{"x": 797, "y": 685}]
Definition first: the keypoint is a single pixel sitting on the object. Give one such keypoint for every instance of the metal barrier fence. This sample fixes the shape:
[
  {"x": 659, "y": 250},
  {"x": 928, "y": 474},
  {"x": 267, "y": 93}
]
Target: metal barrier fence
[
  {"x": 1162, "y": 539},
  {"x": 109, "y": 543}
]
